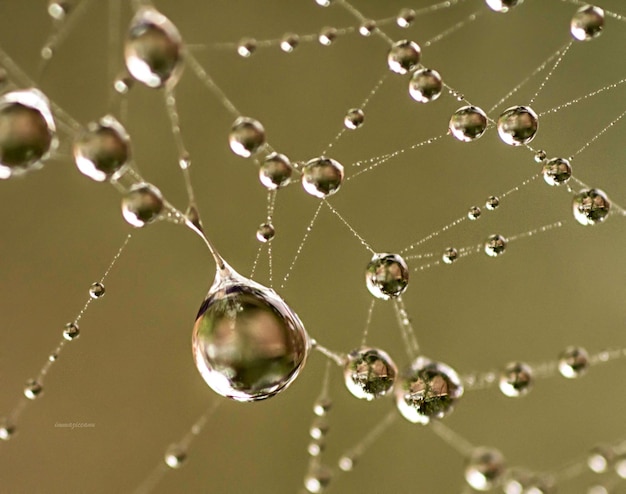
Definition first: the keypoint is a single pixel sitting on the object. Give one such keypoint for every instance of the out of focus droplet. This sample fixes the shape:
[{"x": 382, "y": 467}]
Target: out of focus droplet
[
  {"x": 485, "y": 468},
  {"x": 601, "y": 458},
  {"x": 246, "y": 47},
  {"x": 327, "y": 36},
  {"x": 573, "y": 362},
  {"x": 503, "y": 5},
  {"x": 58, "y": 9},
  {"x": 32, "y": 390},
  {"x": 367, "y": 27},
  {"x": 587, "y": 23},
  {"x": 516, "y": 379},
  {"x": 175, "y": 456},
  {"x": 289, "y": 42},
  {"x": 405, "y": 18},
  {"x": 317, "y": 479}
]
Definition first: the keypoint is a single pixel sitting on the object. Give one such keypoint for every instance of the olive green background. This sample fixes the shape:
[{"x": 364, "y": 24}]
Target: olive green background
[{"x": 131, "y": 372}]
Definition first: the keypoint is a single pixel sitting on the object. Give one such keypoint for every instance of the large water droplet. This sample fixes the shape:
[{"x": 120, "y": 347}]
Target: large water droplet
[
  {"x": 516, "y": 379},
  {"x": 485, "y": 468},
  {"x": 591, "y": 206},
  {"x": 503, "y": 5},
  {"x": 518, "y": 125},
  {"x": 425, "y": 85},
  {"x": 154, "y": 49},
  {"x": 246, "y": 137},
  {"x": 556, "y": 171},
  {"x": 265, "y": 232},
  {"x": 97, "y": 290},
  {"x": 468, "y": 123},
  {"x": 573, "y": 362},
  {"x": 322, "y": 177},
  {"x": 247, "y": 342},
  {"x": 369, "y": 373},
  {"x": 275, "y": 171},
  {"x": 387, "y": 276},
  {"x": 103, "y": 150},
  {"x": 587, "y": 23},
  {"x": 404, "y": 56},
  {"x": 427, "y": 390},
  {"x": 142, "y": 205},
  {"x": 27, "y": 131}
]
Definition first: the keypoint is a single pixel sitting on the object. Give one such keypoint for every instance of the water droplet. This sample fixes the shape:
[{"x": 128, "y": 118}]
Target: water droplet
[
  {"x": 289, "y": 42},
  {"x": 316, "y": 447},
  {"x": 405, "y": 18},
  {"x": 485, "y": 468},
  {"x": 503, "y": 5},
  {"x": 425, "y": 85},
  {"x": 450, "y": 255},
  {"x": 58, "y": 9},
  {"x": 102, "y": 152},
  {"x": 591, "y": 206},
  {"x": 265, "y": 233},
  {"x": 367, "y": 27},
  {"x": 32, "y": 389},
  {"x": 246, "y": 137},
  {"x": 601, "y": 458},
  {"x": 495, "y": 245},
  {"x": 154, "y": 49},
  {"x": 27, "y": 131},
  {"x": 318, "y": 478},
  {"x": 71, "y": 331},
  {"x": 474, "y": 213},
  {"x": 184, "y": 161},
  {"x": 427, "y": 390},
  {"x": 246, "y": 47},
  {"x": 248, "y": 344},
  {"x": 468, "y": 123},
  {"x": 387, "y": 276},
  {"x": 175, "y": 456},
  {"x": 573, "y": 362},
  {"x": 53, "y": 357},
  {"x": 142, "y": 204},
  {"x": 404, "y": 56},
  {"x": 492, "y": 203},
  {"x": 587, "y": 23},
  {"x": 540, "y": 156},
  {"x": 319, "y": 428},
  {"x": 518, "y": 125},
  {"x": 322, "y": 177},
  {"x": 327, "y": 36},
  {"x": 7, "y": 430},
  {"x": 369, "y": 373},
  {"x": 322, "y": 406},
  {"x": 96, "y": 290},
  {"x": 516, "y": 379},
  {"x": 520, "y": 481},
  {"x": 323, "y": 3},
  {"x": 354, "y": 118},
  {"x": 123, "y": 84},
  {"x": 275, "y": 171}
]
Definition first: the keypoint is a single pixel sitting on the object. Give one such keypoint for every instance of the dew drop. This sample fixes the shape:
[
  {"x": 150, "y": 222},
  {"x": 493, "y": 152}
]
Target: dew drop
[
  {"x": 425, "y": 85},
  {"x": 503, "y": 5},
  {"x": 96, "y": 290},
  {"x": 492, "y": 203},
  {"x": 322, "y": 406},
  {"x": 142, "y": 204},
  {"x": 450, "y": 255},
  {"x": 474, "y": 213},
  {"x": 53, "y": 357},
  {"x": 319, "y": 428},
  {"x": 587, "y": 23},
  {"x": 516, "y": 379},
  {"x": 367, "y": 27},
  {"x": 246, "y": 137},
  {"x": 405, "y": 18},
  {"x": 317, "y": 479},
  {"x": 289, "y": 42},
  {"x": 573, "y": 362},
  {"x": 468, "y": 123},
  {"x": 175, "y": 456},
  {"x": 322, "y": 177},
  {"x": 387, "y": 276},
  {"x": 540, "y": 156},
  {"x": 71, "y": 331},
  {"x": 323, "y": 3},
  {"x": 404, "y": 56},
  {"x": 275, "y": 171},
  {"x": 518, "y": 125},
  {"x": 520, "y": 481},
  {"x": 123, "y": 84},
  {"x": 495, "y": 245},
  {"x": 327, "y": 36},
  {"x": 346, "y": 463},
  {"x": 601, "y": 458},
  {"x": 354, "y": 118},
  {"x": 7, "y": 430},
  {"x": 316, "y": 447},
  {"x": 591, "y": 206},
  {"x": 154, "y": 49},
  {"x": 32, "y": 389},
  {"x": 427, "y": 390},
  {"x": 265, "y": 233},
  {"x": 369, "y": 373},
  {"x": 246, "y": 47},
  {"x": 485, "y": 468},
  {"x": 58, "y": 9}
]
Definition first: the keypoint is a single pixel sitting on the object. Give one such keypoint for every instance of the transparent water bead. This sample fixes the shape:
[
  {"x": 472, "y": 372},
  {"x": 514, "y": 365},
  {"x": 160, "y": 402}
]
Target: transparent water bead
[
  {"x": 450, "y": 255},
  {"x": 485, "y": 468},
  {"x": 347, "y": 463},
  {"x": 142, "y": 204},
  {"x": 367, "y": 27},
  {"x": 246, "y": 137},
  {"x": 7, "y": 430},
  {"x": 573, "y": 362},
  {"x": 319, "y": 428},
  {"x": 322, "y": 406},
  {"x": 516, "y": 379},
  {"x": 425, "y": 85},
  {"x": 369, "y": 373},
  {"x": 102, "y": 151},
  {"x": 405, "y": 18},
  {"x": 474, "y": 213},
  {"x": 246, "y": 47},
  {"x": 518, "y": 125},
  {"x": 58, "y": 9},
  {"x": 495, "y": 245},
  {"x": 427, "y": 390},
  {"x": 71, "y": 331},
  {"x": 318, "y": 478},
  {"x": 289, "y": 42},
  {"x": 492, "y": 203},
  {"x": 97, "y": 290},
  {"x": 32, "y": 389},
  {"x": 503, "y": 5},
  {"x": 556, "y": 171},
  {"x": 248, "y": 344},
  {"x": 587, "y": 23},
  {"x": 322, "y": 177},
  {"x": 601, "y": 458},
  {"x": 540, "y": 156},
  {"x": 404, "y": 56},
  {"x": 123, "y": 84},
  {"x": 591, "y": 206},
  {"x": 327, "y": 36},
  {"x": 265, "y": 233},
  {"x": 468, "y": 123},
  {"x": 275, "y": 171},
  {"x": 323, "y": 3},
  {"x": 27, "y": 131},
  {"x": 387, "y": 276},
  {"x": 154, "y": 49},
  {"x": 175, "y": 456},
  {"x": 354, "y": 118}
]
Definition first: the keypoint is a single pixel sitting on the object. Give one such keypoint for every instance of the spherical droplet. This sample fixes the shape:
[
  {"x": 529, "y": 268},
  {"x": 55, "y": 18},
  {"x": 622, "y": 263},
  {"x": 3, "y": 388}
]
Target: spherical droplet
[
  {"x": 71, "y": 331},
  {"x": 27, "y": 131},
  {"x": 103, "y": 151},
  {"x": 322, "y": 177},
  {"x": 492, "y": 203},
  {"x": 468, "y": 123},
  {"x": 154, "y": 49},
  {"x": 58, "y": 9},
  {"x": 248, "y": 344},
  {"x": 503, "y": 5},
  {"x": 327, "y": 36},
  {"x": 587, "y": 23},
  {"x": 7, "y": 430},
  {"x": 425, "y": 85},
  {"x": 347, "y": 462},
  {"x": 495, "y": 245},
  {"x": 265, "y": 233},
  {"x": 516, "y": 379},
  {"x": 246, "y": 137},
  {"x": 319, "y": 428},
  {"x": 354, "y": 118},
  {"x": 318, "y": 478},
  {"x": 387, "y": 276},
  {"x": 450, "y": 255},
  {"x": 123, "y": 84},
  {"x": 289, "y": 42},
  {"x": 405, "y": 18},
  {"x": 96, "y": 290},
  {"x": 275, "y": 171},
  {"x": 142, "y": 205},
  {"x": 427, "y": 390},
  {"x": 323, "y": 3},
  {"x": 367, "y": 27},
  {"x": 316, "y": 447},
  {"x": 474, "y": 213},
  {"x": 322, "y": 406},
  {"x": 246, "y": 47},
  {"x": 485, "y": 468},
  {"x": 175, "y": 456},
  {"x": 32, "y": 389},
  {"x": 573, "y": 362},
  {"x": 601, "y": 458},
  {"x": 369, "y": 373},
  {"x": 518, "y": 125},
  {"x": 404, "y": 57},
  {"x": 540, "y": 156},
  {"x": 591, "y": 206}
]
